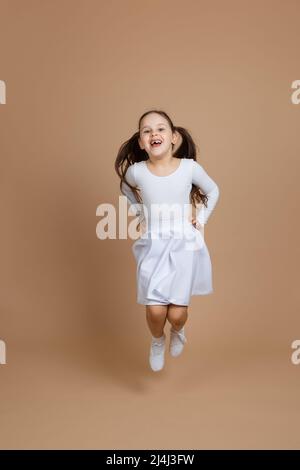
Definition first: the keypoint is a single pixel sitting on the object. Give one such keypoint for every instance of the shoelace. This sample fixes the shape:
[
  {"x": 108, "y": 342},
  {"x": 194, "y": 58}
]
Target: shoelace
[
  {"x": 180, "y": 335},
  {"x": 157, "y": 343}
]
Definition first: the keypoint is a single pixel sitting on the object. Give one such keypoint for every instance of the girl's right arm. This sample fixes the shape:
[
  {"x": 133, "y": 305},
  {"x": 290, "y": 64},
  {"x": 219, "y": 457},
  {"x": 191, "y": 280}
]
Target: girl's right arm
[{"x": 134, "y": 205}]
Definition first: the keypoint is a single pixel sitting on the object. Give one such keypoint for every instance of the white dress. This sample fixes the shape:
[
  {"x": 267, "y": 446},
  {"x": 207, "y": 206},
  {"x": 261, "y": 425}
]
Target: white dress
[{"x": 173, "y": 262}]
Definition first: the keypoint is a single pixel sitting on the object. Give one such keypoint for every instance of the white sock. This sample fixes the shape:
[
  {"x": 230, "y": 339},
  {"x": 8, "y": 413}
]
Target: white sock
[
  {"x": 181, "y": 330},
  {"x": 158, "y": 339}
]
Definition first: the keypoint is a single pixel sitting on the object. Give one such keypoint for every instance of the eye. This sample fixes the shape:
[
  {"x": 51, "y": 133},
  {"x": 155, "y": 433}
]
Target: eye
[{"x": 160, "y": 129}]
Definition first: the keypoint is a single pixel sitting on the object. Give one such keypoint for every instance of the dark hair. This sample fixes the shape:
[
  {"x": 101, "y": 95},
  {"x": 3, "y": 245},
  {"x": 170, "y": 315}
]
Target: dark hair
[{"x": 130, "y": 152}]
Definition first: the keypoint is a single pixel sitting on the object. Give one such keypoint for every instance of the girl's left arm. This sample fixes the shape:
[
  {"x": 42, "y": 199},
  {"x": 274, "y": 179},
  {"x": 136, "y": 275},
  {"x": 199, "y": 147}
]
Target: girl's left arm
[{"x": 209, "y": 187}]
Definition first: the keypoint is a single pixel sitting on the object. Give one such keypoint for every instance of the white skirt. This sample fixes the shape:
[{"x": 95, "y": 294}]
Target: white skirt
[{"x": 172, "y": 266}]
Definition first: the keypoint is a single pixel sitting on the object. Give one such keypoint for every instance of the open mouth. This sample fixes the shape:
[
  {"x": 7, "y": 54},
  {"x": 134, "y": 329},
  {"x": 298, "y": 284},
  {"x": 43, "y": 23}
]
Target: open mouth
[{"x": 156, "y": 143}]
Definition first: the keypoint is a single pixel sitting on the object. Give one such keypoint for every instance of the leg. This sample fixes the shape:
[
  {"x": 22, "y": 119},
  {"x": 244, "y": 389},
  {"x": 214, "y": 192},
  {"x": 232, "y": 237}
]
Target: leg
[
  {"x": 177, "y": 315},
  {"x": 156, "y": 316}
]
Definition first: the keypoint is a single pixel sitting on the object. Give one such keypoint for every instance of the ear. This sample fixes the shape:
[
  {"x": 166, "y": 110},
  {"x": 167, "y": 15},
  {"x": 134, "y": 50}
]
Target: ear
[{"x": 176, "y": 139}]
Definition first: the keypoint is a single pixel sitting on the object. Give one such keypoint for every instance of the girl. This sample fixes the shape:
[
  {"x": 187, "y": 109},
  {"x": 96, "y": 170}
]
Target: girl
[{"x": 157, "y": 167}]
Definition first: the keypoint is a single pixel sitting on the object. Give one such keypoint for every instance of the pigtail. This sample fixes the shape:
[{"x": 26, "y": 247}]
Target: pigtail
[
  {"x": 187, "y": 149},
  {"x": 129, "y": 153}
]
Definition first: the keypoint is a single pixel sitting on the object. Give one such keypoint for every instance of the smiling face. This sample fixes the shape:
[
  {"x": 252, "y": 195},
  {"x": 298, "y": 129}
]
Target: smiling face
[{"x": 156, "y": 136}]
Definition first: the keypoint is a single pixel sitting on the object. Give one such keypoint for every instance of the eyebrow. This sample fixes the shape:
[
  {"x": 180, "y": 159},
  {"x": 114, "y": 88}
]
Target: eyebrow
[{"x": 159, "y": 124}]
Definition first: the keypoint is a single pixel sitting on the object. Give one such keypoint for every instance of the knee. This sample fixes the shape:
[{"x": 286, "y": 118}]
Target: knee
[
  {"x": 177, "y": 319},
  {"x": 156, "y": 314},
  {"x": 156, "y": 318},
  {"x": 178, "y": 322}
]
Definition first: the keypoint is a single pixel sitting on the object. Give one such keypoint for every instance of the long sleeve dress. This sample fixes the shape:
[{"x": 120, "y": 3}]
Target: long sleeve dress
[{"x": 172, "y": 259}]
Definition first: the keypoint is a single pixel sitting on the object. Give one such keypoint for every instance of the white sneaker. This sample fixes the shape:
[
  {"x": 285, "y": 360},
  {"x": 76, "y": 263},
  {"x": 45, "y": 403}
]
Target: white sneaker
[
  {"x": 177, "y": 341},
  {"x": 157, "y": 353}
]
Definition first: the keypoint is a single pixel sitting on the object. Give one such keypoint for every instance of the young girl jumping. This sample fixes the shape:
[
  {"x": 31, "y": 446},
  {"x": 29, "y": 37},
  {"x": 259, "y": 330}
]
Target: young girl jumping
[{"x": 158, "y": 168}]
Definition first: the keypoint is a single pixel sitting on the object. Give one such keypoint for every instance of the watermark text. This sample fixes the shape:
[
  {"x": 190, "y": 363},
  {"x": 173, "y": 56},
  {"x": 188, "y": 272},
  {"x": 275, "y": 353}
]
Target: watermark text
[
  {"x": 2, "y": 352},
  {"x": 2, "y": 92}
]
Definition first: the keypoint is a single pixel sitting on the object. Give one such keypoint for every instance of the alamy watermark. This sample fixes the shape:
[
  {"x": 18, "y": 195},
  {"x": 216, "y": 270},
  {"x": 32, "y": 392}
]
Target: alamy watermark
[
  {"x": 163, "y": 221},
  {"x": 2, "y": 352},
  {"x": 295, "y": 357},
  {"x": 2, "y": 92},
  {"x": 295, "y": 97}
]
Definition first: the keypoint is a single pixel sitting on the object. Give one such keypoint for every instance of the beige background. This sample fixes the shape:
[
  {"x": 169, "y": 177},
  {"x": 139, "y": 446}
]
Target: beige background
[{"x": 78, "y": 75}]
